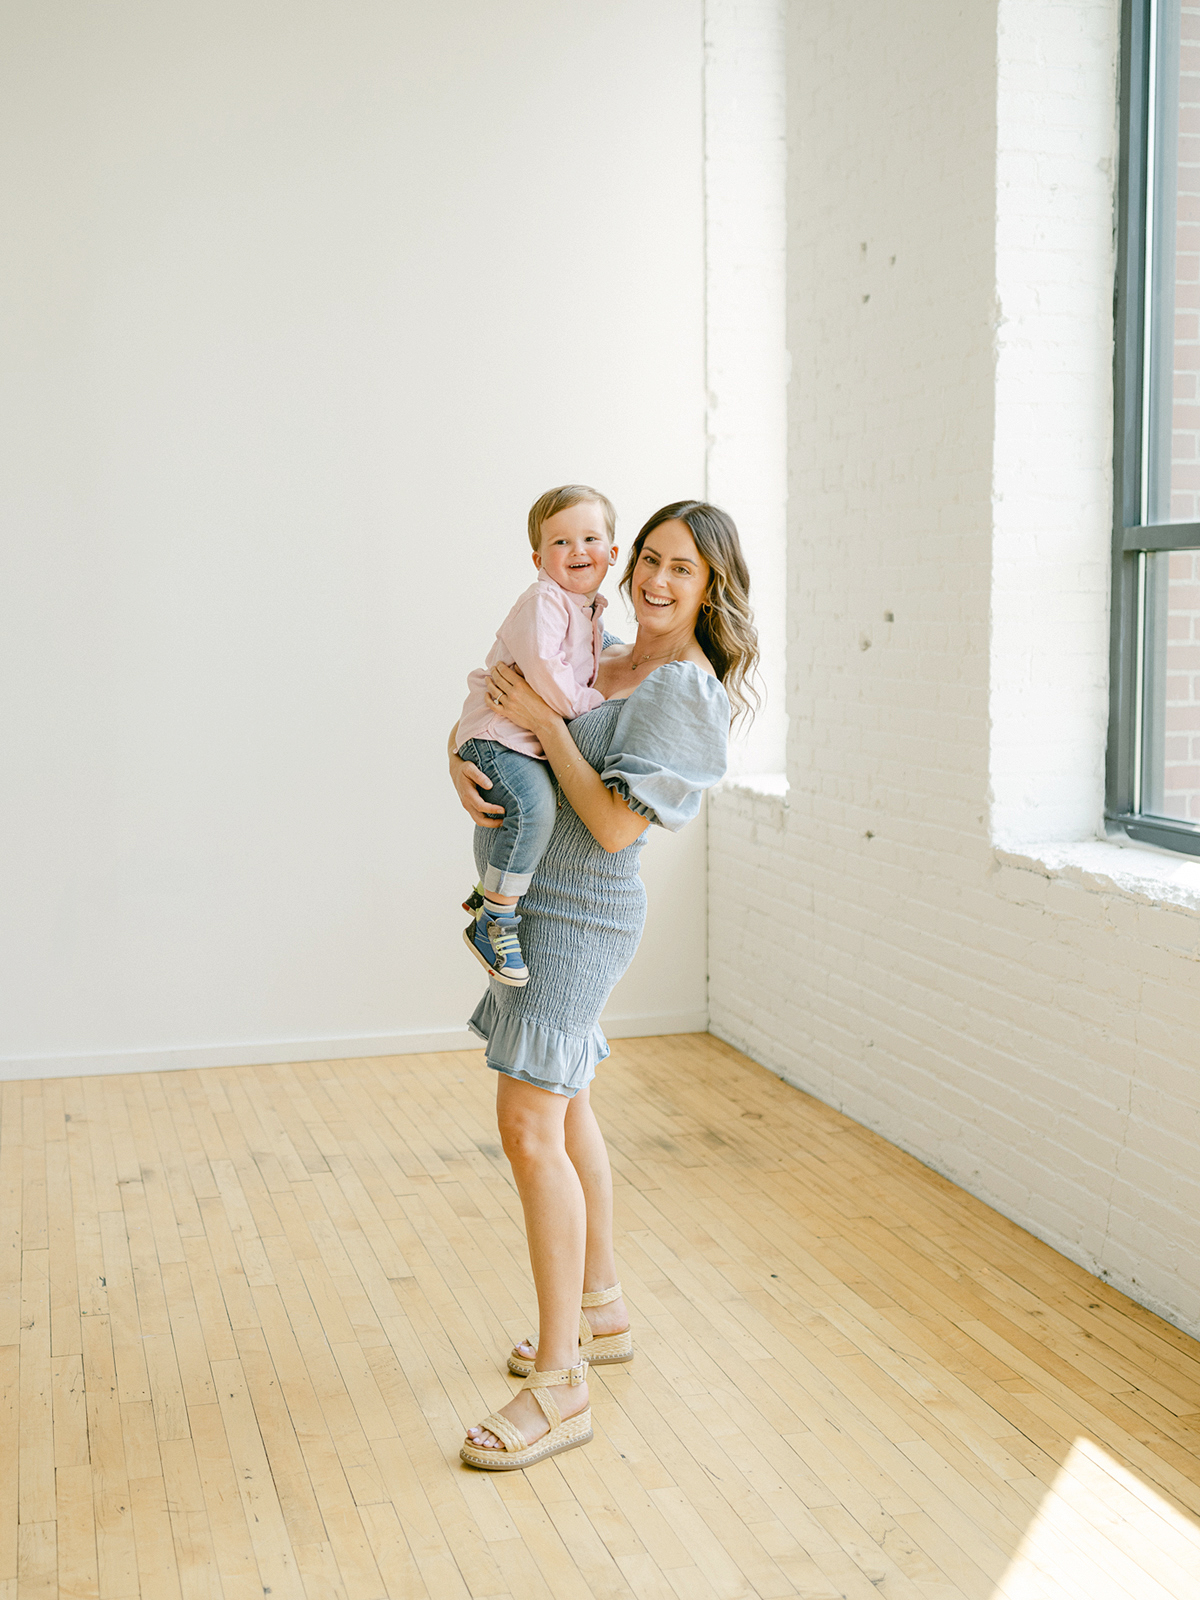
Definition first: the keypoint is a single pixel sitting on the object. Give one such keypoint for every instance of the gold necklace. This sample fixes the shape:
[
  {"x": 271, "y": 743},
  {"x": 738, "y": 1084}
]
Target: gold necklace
[{"x": 670, "y": 656}]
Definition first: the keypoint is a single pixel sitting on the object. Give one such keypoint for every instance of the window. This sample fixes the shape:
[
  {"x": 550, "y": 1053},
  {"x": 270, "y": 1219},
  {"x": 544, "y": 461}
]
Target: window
[{"x": 1154, "y": 744}]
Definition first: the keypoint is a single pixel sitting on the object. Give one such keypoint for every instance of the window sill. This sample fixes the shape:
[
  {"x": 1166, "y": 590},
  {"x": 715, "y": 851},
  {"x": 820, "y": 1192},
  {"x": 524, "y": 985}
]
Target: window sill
[
  {"x": 773, "y": 785},
  {"x": 763, "y": 796},
  {"x": 1140, "y": 871}
]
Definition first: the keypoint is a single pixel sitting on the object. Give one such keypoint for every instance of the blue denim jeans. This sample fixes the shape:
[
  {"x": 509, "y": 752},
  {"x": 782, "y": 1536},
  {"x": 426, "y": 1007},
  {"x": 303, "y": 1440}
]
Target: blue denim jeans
[{"x": 524, "y": 786}]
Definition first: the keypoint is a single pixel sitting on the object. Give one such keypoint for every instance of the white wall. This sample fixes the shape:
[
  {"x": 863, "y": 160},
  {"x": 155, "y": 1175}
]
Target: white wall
[
  {"x": 304, "y": 305},
  {"x": 1020, "y": 1017}
]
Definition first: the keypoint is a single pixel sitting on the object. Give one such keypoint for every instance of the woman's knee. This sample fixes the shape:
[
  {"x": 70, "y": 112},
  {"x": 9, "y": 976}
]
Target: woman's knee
[
  {"x": 529, "y": 1129},
  {"x": 526, "y": 1140}
]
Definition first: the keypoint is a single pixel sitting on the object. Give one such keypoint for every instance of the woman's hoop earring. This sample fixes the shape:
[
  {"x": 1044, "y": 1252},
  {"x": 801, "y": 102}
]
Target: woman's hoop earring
[{"x": 707, "y": 608}]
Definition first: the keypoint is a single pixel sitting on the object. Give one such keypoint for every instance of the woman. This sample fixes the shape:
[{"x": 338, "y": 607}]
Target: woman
[{"x": 645, "y": 755}]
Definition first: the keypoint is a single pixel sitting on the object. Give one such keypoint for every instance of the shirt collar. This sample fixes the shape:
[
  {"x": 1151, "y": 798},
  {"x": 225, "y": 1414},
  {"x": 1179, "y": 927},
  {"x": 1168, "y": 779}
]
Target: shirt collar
[{"x": 580, "y": 600}]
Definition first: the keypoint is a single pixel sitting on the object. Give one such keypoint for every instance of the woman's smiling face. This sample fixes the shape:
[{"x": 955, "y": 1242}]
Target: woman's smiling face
[{"x": 669, "y": 580}]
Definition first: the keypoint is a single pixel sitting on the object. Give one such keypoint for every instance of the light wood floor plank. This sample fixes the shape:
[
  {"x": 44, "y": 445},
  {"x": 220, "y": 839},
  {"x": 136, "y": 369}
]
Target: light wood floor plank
[
  {"x": 256, "y": 1482},
  {"x": 65, "y": 1335},
  {"x": 10, "y": 1441},
  {"x": 75, "y": 1533},
  {"x": 11, "y": 1160},
  {"x": 115, "y": 1551},
  {"x": 35, "y": 1418}
]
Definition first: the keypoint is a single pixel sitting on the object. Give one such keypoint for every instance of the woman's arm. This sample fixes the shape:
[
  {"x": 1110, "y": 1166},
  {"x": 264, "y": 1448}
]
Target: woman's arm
[
  {"x": 601, "y": 810},
  {"x": 468, "y": 780},
  {"x": 603, "y": 813}
]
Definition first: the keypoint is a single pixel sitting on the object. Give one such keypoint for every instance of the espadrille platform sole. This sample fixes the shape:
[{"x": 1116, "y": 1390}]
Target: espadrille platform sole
[
  {"x": 569, "y": 1435},
  {"x": 599, "y": 1349},
  {"x": 565, "y": 1433}
]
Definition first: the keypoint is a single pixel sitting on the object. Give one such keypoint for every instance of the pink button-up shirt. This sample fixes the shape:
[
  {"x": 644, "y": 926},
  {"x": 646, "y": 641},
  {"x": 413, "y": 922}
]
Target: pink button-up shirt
[{"x": 555, "y": 638}]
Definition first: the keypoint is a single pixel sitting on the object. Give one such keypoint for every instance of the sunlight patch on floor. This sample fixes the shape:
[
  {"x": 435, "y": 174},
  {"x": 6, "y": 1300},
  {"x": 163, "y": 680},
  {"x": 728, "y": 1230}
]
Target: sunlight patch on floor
[{"x": 1100, "y": 1532}]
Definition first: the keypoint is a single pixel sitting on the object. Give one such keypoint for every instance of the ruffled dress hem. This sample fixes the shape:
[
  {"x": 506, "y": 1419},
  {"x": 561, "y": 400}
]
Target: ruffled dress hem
[{"x": 549, "y": 1059}]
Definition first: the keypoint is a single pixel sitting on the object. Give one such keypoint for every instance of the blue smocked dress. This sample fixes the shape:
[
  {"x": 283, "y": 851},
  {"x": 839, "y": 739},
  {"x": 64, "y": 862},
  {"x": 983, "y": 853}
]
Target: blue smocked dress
[{"x": 582, "y": 916}]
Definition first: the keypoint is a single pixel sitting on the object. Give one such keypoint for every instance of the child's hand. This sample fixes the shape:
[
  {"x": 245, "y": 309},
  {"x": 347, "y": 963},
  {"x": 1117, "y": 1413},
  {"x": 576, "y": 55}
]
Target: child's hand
[{"x": 468, "y": 780}]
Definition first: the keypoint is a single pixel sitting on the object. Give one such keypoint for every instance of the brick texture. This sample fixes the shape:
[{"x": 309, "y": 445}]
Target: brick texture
[
  {"x": 1173, "y": 783},
  {"x": 1031, "y": 1035},
  {"x": 1180, "y": 793},
  {"x": 745, "y": 162},
  {"x": 1185, "y": 419}
]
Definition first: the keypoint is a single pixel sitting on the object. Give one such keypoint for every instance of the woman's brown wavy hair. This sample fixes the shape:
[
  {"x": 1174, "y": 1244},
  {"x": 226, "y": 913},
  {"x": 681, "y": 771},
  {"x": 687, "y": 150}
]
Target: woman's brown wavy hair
[{"x": 725, "y": 627}]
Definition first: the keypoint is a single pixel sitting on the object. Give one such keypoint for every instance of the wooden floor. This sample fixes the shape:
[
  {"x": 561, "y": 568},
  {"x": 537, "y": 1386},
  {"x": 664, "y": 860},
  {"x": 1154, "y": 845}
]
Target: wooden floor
[{"x": 245, "y": 1315}]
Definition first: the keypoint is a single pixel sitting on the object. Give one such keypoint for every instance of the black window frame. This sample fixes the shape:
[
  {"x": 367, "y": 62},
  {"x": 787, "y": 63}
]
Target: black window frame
[{"x": 1134, "y": 540}]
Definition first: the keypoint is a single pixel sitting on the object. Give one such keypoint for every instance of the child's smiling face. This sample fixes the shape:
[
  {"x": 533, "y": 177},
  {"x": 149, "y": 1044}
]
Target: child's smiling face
[{"x": 576, "y": 550}]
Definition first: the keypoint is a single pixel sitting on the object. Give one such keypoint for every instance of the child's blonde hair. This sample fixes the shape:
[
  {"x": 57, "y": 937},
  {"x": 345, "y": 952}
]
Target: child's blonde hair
[{"x": 570, "y": 494}]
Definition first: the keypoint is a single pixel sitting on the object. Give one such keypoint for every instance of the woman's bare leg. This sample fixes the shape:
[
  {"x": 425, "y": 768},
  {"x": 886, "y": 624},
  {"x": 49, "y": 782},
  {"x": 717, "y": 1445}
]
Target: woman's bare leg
[
  {"x": 532, "y": 1132},
  {"x": 589, "y": 1156}
]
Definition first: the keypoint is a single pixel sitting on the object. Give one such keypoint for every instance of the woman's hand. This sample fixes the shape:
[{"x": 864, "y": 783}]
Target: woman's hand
[
  {"x": 509, "y": 693},
  {"x": 468, "y": 781}
]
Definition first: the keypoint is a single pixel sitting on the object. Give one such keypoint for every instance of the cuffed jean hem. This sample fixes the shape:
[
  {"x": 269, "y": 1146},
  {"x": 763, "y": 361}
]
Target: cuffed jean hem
[{"x": 497, "y": 881}]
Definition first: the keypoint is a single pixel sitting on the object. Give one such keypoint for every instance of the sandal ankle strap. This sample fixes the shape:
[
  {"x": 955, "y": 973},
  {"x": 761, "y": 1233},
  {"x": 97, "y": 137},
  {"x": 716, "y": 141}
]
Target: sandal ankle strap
[
  {"x": 540, "y": 1382},
  {"x": 545, "y": 1380},
  {"x": 602, "y": 1297}
]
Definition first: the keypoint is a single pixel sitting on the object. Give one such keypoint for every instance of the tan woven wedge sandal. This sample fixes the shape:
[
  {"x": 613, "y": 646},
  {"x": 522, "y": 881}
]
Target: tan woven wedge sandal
[
  {"x": 599, "y": 1350},
  {"x": 563, "y": 1435}
]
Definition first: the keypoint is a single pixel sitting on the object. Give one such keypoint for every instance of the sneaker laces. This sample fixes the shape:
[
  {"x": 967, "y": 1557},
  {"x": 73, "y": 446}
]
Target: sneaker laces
[{"x": 503, "y": 934}]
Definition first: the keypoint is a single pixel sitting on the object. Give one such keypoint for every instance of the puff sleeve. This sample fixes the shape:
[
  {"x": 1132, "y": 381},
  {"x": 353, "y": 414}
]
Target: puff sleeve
[{"x": 669, "y": 744}]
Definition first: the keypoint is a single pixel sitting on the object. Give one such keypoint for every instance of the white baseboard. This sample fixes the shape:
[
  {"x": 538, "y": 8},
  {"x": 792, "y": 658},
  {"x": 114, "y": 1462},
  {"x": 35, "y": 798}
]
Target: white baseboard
[
  {"x": 282, "y": 1050},
  {"x": 649, "y": 1027}
]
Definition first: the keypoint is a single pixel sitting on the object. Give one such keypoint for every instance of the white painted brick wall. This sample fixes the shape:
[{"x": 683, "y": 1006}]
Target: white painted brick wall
[
  {"x": 745, "y": 166},
  {"x": 880, "y": 938},
  {"x": 1052, "y": 474}
]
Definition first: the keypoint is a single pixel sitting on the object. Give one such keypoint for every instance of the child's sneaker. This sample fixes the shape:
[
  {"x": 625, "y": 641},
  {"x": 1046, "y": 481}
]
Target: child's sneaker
[
  {"x": 493, "y": 941},
  {"x": 474, "y": 903}
]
